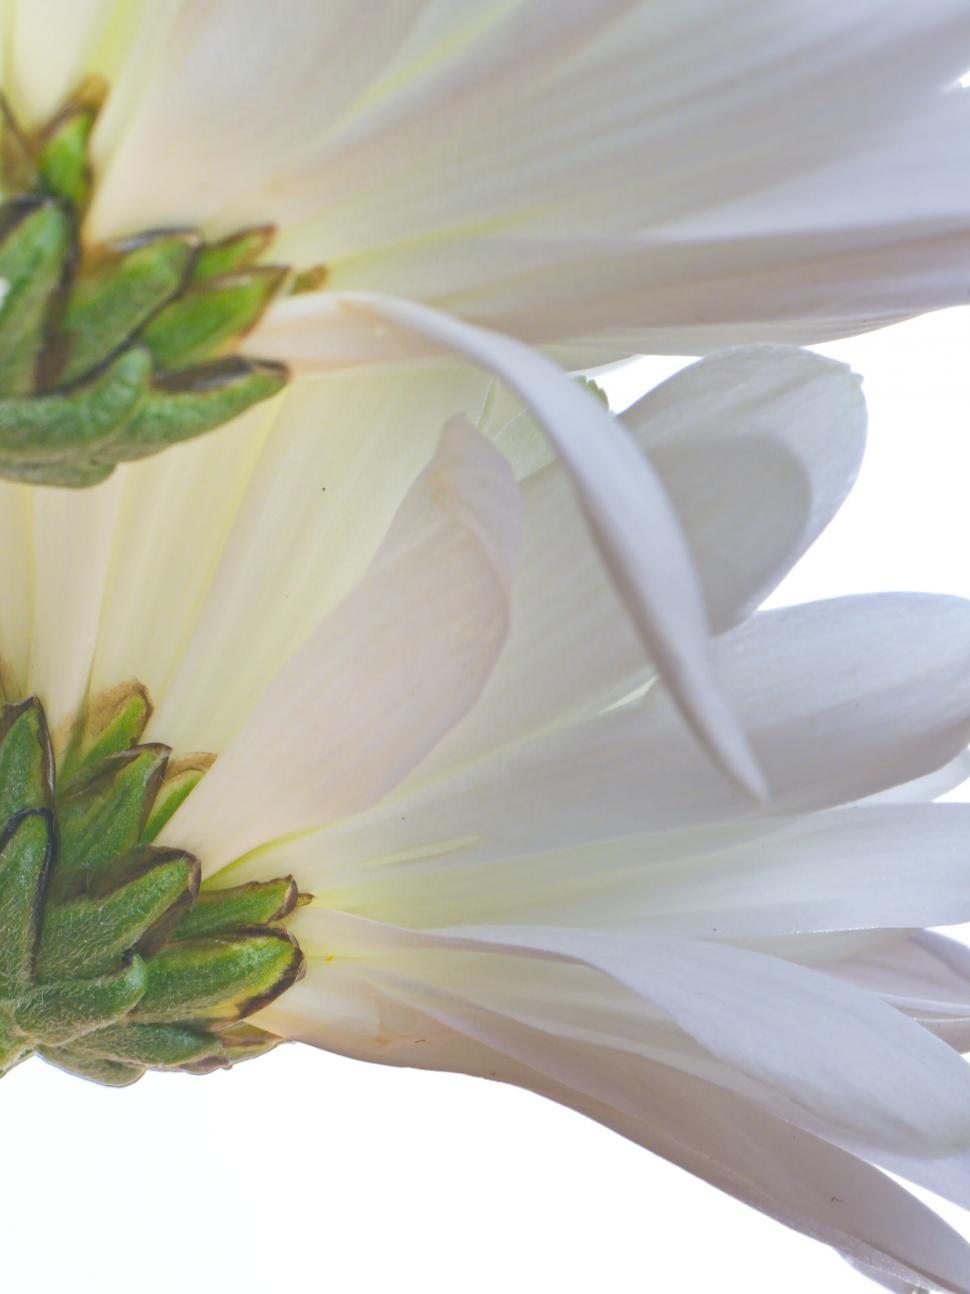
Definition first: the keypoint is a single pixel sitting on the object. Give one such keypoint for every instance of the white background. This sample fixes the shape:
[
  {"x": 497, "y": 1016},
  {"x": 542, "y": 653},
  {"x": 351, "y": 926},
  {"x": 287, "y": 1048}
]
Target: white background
[{"x": 307, "y": 1171}]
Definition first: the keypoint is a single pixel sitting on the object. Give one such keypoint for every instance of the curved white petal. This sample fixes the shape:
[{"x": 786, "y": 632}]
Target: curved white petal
[
  {"x": 783, "y": 1171},
  {"x": 808, "y": 404},
  {"x": 630, "y": 516},
  {"x": 897, "y": 1284},
  {"x": 841, "y": 1055},
  {"x": 801, "y": 1180},
  {"x": 726, "y": 1137},
  {"x": 386, "y": 673},
  {"x": 931, "y": 787},
  {"x": 377, "y": 1010},
  {"x": 925, "y": 973},
  {"x": 756, "y": 449},
  {"x": 720, "y": 1136}
]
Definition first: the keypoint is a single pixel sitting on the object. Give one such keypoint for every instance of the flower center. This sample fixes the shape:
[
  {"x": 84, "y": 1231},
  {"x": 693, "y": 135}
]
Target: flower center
[
  {"x": 113, "y": 960},
  {"x": 113, "y": 354}
]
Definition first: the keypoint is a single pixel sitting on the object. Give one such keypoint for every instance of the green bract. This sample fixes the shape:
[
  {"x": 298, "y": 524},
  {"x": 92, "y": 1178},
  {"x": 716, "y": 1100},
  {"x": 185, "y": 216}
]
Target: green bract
[
  {"x": 114, "y": 354},
  {"x": 111, "y": 959}
]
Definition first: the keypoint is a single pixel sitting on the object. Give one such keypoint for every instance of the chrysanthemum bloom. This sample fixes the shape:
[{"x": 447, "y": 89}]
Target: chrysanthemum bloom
[
  {"x": 365, "y": 680},
  {"x": 428, "y": 773},
  {"x": 597, "y": 176}
]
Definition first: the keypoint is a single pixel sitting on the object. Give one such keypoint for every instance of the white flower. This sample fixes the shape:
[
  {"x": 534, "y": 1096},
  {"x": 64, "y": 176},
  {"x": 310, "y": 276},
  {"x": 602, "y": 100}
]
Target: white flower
[
  {"x": 603, "y": 175},
  {"x": 427, "y": 705},
  {"x": 673, "y": 173}
]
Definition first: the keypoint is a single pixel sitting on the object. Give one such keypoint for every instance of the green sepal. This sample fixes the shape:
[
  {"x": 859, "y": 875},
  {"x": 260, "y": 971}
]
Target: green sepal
[
  {"x": 210, "y": 315},
  {"x": 113, "y": 299},
  {"x": 257, "y": 903},
  {"x": 239, "y": 1042},
  {"x": 113, "y": 723},
  {"x": 104, "y": 969},
  {"x": 311, "y": 279},
  {"x": 61, "y": 160},
  {"x": 181, "y": 778},
  {"x": 26, "y": 760},
  {"x": 14, "y": 1047},
  {"x": 104, "y": 820},
  {"x": 186, "y": 404},
  {"x": 26, "y": 848},
  {"x": 220, "y": 978},
  {"x": 245, "y": 1042},
  {"x": 109, "y": 1073},
  {"x": 66, "y": 1009},
  {"x": 91, "y": 934},
  {"x": 58, "y": 429},
  {"x": 62, "y": 165},
  {"x": 232, "y": 253},
  {"x": 35, "y": 249},
  {"x": 160, "y": 1046},
  {"x": 69, "y": 311},
  {"x": 78, "y": 475}
]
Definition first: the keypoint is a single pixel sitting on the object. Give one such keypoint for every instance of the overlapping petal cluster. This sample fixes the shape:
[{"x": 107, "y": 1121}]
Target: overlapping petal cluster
[
  {"x": 429, "y": 707},
  {"x": 455, "y": 721}
]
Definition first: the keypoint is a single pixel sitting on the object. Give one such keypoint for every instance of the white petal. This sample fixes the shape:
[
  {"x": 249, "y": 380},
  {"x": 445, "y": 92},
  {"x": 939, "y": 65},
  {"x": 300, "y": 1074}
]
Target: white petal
[
  {"x": 788, "y": 1174},
  {"x": 16, "y": 578},
  {"x": 44, "y": 69},
  {"x": 272, "y": 531},
  {"x": 213, "y": 129},
  {"x": 72, "y": 536},
  {"x": 851, "y": 869},
  {"x": 926, "y": 974},
  {"x": 898, "y": 1284},
  {"x": 502, "y": 164},
  {"x": 360, "y": 1006},
  {"x": 834, "y": 716},
  {"x": 346, "y": 72},
  {"x": 551, "y": 222},
  {"x": 730, "y": 1140},
  {"x": 801, "y": 1180},
  {"x": 175, "y": 515},
  {"x": 743, "y": 1150},
  {"x": 840, "y": 1054},
  {"x": 756, "y": 449},
  {"x": 856, "y": 869},
  {"x": 630, "y": 516},
  {"x": 930, "y": 787},
  {"x": 391, "y": 669},
  {"x": 792, "y": 397}
]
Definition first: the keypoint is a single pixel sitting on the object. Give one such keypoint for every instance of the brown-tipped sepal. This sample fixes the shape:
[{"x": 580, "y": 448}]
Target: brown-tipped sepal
[
  {"x": 109, "y": 723},
  {"x": 220, "y": 978},
  {"x": 258, "y": 903}
]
